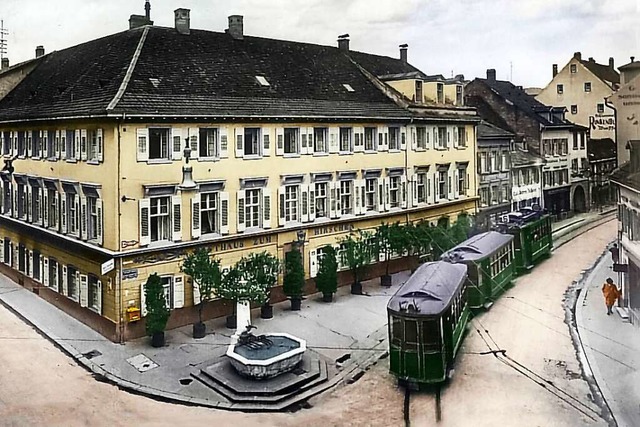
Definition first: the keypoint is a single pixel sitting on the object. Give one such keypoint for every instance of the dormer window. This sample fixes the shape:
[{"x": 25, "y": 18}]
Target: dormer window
[
  {"x": 418, "y": 90},
  {"x": 459, "y": 95},
  {"x": 440, "y": 93},
  {"x": 263, "y": 81},
  {"x": 348, "y": 87}
]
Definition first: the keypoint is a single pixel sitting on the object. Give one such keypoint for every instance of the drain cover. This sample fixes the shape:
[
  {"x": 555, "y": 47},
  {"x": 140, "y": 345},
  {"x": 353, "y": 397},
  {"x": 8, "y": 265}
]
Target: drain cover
[
  {"x": 186, "y": 381},
  {"x": 142, "y": 363},
  {"x": 91, "y": 354}
]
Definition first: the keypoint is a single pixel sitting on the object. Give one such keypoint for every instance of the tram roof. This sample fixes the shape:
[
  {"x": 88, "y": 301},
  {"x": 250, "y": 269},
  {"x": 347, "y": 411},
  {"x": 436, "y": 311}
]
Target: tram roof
[
  {"x": 477, "y": 247},
  {"x": 429, "y": 289}
]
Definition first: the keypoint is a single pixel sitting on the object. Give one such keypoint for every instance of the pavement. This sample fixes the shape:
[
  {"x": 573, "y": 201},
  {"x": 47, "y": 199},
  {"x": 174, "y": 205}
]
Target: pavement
[{"x": 351, "y": 325}]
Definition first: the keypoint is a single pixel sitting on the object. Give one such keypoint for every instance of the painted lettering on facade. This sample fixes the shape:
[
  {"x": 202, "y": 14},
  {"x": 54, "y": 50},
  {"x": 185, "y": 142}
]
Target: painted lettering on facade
[
  {"x": 602, "y": 122},
  {"x": 339, "y": 228}
]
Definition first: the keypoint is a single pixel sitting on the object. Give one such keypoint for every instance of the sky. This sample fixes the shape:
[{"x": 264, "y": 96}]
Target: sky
[{"x": 521, "y": 39}]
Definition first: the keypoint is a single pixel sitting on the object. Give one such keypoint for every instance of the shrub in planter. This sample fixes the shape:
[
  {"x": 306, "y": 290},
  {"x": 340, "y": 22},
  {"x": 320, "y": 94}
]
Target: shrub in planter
[
  {"x": 206, "y": 278},
  {"x": 157, "y": 310},
  {"x": 391, "y": 239},
  {"x": 357, "y": 254},
  {"x": 261, "y": 269},
  {"x": 293, "y": 282},
  {"x": 234, "y": 287},
  {"x": 327, "y": 277}
]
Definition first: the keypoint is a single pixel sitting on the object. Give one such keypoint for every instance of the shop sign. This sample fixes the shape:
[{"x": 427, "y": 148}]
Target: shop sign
[
  {"x": 602, "y": 122},
  {"x": 107, "y": 266},
  {"x": 129, "y": 273},
  {"x": 331, "y": 229}
]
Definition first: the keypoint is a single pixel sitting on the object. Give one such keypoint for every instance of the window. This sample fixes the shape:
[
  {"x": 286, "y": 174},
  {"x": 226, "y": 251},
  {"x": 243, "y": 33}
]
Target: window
[
  {"x": 262, "y": 81},
  {"x": 209, "y": 143},
  {"x": 22, "y": 201},
  {"x": 394, "y": 191},
  {"x": 442, "y": 137},
  {"x": 394, "y": 138},
  {"x": 93, "y": 224},
  {"x": 94, "y": 147},
  {"x": 573, "y": 68},
  {"x": 574, "y": 165},
  {"x": 160, "y": 219},
  {"x": 52, "y": 202},
  {"x": 462, "y": 136},
  {"x": 560, "y": 89},
  {"x": 36, "y": 204},
  {"x": 320, "y": 144},
  {"x": 73, "y": 214},
  {"x": 36, "y": 144},
  {"x": 370, "y": 139},
  {"x": 346, "y": 197},
  {"x": 21, "y": 144},
  {"x": 495, "y": 161},
  {"x": 421, "y": 137},
  {"x": 421, "y": 187},
  {"x": 291, "y": 203},
  {"x": 291, "y": 141},
  {"x": 209, "y": 220},
  {"x": 440, "y": 93},
  {"x": 94, "y": 289},
  {"x": 494, "y": 194},
  {"x": 505, "y": 161},
  {"x": 370, "y": 194},
  {"x": 484, "y": 196},
  {"x": 462, "y": 180},
  {"x": 6, "y": 143},
  {"x": 252, "y": 208},
  {"x": 252, "y": 141},
  {"x": 168, "y": 291},
  {"x": 600, "y": 108},
  {"x": 418, "y": 90},
  {"x": 459, "y": 97},
  {"x": 158, "y": 144},
  {"x": 442, "y": 184},
  {"x": 53, "y": 274},
  {"x": 348, "y": 87},
  {"x": 72, "y": 283},
  {"x": 574, "y": 109},
  {"x": 582, "y": 139},
  {"x": 23, "y": 259},
  {"x": 321, "y": 200},
  {"x": 587, "y": 86},
  {"x": 345, "y": 140}
]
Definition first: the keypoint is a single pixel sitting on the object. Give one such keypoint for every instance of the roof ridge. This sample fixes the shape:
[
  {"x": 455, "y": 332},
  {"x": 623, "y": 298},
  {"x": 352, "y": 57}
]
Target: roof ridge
[{"x": 132, "y": 66}]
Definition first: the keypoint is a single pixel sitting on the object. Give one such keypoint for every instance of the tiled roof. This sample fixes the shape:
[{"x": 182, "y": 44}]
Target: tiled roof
[
  {"x": 487, "y": 130},
  {"x": 204, "y": 73},
  {"x": 524, "y": 158},
  {"x": 603, "y": 72},
  {"x": 626, "y": 175},
  {"x": 598, "y": 149}
]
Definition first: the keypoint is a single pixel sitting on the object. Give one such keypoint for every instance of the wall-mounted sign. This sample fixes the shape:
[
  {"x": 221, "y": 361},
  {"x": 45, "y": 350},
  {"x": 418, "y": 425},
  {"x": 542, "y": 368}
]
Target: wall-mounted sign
[
  {"x": 107, "y": 266},
  {"x": 602, "y": 122},
  {"x": 127, "y": 243},
  {"x": 129, "y": 273}
]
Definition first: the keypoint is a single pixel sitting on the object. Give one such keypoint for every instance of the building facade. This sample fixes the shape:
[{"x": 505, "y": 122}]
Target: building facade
[
  {"x": 278, "y": 149},
  {"x": 526, "y": 179}
]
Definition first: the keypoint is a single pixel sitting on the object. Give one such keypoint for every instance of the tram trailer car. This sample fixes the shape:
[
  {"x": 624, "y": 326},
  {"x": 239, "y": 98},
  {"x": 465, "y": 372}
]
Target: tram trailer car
[
  {"x": 533, "y": 240},
  {"x": 489, "y": 258},
  {"x": 427, "y": 318}
]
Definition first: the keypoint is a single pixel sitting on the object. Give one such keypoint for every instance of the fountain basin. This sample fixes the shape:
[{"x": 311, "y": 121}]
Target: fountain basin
[{"x": 267, "y": 362}]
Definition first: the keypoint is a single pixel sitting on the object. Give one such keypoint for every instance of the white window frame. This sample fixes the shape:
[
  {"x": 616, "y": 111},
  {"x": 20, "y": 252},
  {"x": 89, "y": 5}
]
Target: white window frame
[
  {"x": 291, "y": 141},
  {"x": 346, "y": 140},
  {"x": 320, "y": 140},
  {"x": 156, "y": 204},
  {"x": 322, "y": 194},
  {"x": 165, "y": 146},
  {"x": 346, "y": 196}
]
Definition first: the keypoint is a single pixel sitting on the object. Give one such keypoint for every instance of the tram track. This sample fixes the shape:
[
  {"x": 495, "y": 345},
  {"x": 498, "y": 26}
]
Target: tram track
[{"x": 567, "y": 234}]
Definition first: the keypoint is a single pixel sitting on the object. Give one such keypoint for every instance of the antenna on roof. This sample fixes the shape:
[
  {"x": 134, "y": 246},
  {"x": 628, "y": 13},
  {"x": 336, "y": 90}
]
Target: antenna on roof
[{"x": 3, "y": 41}]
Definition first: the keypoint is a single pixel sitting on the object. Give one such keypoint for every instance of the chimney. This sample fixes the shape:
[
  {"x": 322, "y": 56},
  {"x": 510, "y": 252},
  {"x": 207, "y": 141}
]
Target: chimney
[
  {"x": 39, "y": 51},
  {"x": 578, "y": 56},
  {"x": 343, "y": 42},
  {"x": 136, "y": 21},
  {"x": 147, "y": 10},
  {"x": 182, "y": 21},
  {"x": 5, "y": 64},
  {"x": 633, "y": 58},
  {"x": 555, "y": 70},
  {"x": 491, "y": 74},
  {"x": 236, "y": 27},
  {"x": 611, "y": 65},
  {"x": 591, "y": 59},
  {"x": 403, "y": 52}
]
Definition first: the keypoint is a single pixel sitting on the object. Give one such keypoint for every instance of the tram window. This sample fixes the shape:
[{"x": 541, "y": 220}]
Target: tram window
[
  {"x": 411, "y": 335},
  {"x": 431, "y": 333},
  {"x": 397, "y": 333}
]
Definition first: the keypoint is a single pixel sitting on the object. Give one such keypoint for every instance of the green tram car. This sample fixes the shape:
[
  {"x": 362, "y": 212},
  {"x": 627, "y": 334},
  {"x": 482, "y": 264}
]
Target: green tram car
[
  {"x": 532, "y": 234},
  {"x": 489, "y": 258},
  {"x": 427, "y": 321}
]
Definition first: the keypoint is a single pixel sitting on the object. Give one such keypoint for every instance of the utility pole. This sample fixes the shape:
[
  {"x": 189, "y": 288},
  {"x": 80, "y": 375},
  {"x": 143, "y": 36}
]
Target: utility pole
[{"x": 3, "y": 40}]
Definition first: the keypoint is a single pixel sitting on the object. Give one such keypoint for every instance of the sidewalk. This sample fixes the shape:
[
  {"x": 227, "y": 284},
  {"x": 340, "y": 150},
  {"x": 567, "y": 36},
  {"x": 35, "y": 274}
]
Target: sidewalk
[
  {"x": 611, "y": 346},
  {"x": 351, "y": 325}
]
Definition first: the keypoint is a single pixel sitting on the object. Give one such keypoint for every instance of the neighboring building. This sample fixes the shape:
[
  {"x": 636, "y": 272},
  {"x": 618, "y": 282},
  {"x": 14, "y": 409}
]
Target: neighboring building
[
  {"x": 626, "y": 102},
  {"x": 494, "y": 178},
  {"x": 526, "y": 179},
  {"x": 581, "y": 87},
  {"x": 10, "y": 76},
  {"x": 541, "y": 130},
  {"x": 602, "y": 161},
  {"x": 288, "y": 141}
]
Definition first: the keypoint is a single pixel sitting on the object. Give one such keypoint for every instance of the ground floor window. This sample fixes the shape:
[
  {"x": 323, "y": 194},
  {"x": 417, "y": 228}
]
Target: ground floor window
[
  {"x": 95, "y": 294},
  {"x": 72, "y": 283}
]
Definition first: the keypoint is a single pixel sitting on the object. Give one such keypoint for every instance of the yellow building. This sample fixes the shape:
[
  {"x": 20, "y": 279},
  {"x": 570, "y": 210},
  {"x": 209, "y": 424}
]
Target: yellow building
[{"x": 284, "y": 136}]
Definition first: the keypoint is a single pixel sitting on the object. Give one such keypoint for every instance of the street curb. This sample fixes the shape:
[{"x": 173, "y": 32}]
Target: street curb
[{"x": 586, "y": 352}]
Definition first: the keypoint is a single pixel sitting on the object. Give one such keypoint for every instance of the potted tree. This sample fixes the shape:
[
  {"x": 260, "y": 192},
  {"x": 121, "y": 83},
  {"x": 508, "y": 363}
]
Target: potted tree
[
  {"x": 293, "y": 282},
  {"x": 356, "y": 254},
  {"x": 206, "y": 277},
  {"x": 391, "y": 239},
  {"x": 261, "y": 269},
  {"x": 327, "y": 277},
  {"x": 460, "y": 229},
  {"x": 234, "y": 288},
  {"x": 157, "y": 310}
]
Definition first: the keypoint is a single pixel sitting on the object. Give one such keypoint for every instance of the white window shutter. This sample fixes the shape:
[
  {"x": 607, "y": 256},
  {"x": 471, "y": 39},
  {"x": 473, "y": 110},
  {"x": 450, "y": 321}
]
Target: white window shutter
[
  {"x": 304, "y": 202},
  {"x": 196, "y": 293},
  {"x": 450, "y": 187},
  {"x": 281, "y": 216},
  {"x": 27, "y": 142},
  {"x": 334, "y": 140},
  {"x": 100, "y": 147},
  {"x": 313, "y": 263},
  {"x": 454, "y": 191},
  {"x": 30, "y": 257},
  {"x": 83, "y": 146},
  {"x": 194, "y": 142},
  {"x": 310, "y": 140},
  {"x": 304, "y": 146},
  {"x": 454, "y": 130},
  {"x": 358, "y": 140},
  {"x": 142, "y": 145},
  {"x": 83, "y": 218},
  {"x": 312, "y": 202},
  {"x": 224, "y": 212},
  {"x": 413, "y": 178},
  {"x": 177, "y": 144},
  {"x": 363, "y": 197},
  {"x": 380, "y": 194},
  {"x": 403, "y": 138},
  {"x": 279, "y": 141},
  {"x": 178, "y": 291},
  {"x": 44, "y": 142},
  {"x": 63, "y": 213},
  {"x": 143, "y": 301},
  {"x": 436, "y": 187},
  {"x": 266, "y": 141},
  {"x": 224, "y": 142},
  {"x": 447, "y": 143},
  {"x": 241, "y": 225},
  {"x": 78, "y": 144},
  {"x": 239, "y": 142},
  {"x": 176, "y": 217},
  {"x": 357, "y": 206},
  {"x": 195, "y": 217},
  {"x": 99, "y": 295},
  {"x": 387, "y": 201},
  {"x": 332, "y": 199},
  {"x": 144, "y": 206},
  {"x": 99, "y": 222},
  {"x": 84, "y": 290},
  {"x": 403, "y": 192},
  {"x": 64, "y": 280},
  {"x": 266, "y": 208},
  {"x": 338, "y": 202},
  {"x": 44, "y": 271},
  {"x": 414, "y": 138},
  {"x": 29, "y": 210},
  {"x": 2, "y": 250}
]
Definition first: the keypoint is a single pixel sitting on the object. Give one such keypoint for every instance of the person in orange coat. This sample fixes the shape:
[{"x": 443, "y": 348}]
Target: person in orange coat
[{"x": 611, "y": 294}]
